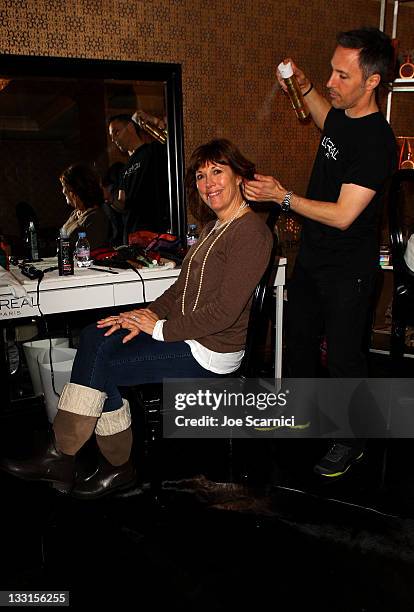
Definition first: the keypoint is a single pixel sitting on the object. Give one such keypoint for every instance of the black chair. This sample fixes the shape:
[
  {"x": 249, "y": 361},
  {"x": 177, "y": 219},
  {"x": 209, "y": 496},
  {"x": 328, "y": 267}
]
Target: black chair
[
  {"x": 401, "y": 224},
  {"x": 147, "y": 399},
  {"x": 261, "y": 309}
]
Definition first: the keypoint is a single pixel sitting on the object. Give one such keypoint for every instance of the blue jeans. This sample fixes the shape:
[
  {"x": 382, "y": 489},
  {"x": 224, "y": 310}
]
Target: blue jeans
[{"x": 104, "y": 363}]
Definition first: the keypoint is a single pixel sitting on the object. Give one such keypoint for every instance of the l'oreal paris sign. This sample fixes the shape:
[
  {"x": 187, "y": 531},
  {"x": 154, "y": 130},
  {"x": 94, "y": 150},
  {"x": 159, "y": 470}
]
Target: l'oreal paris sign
[{"x": 16, "y": 307}]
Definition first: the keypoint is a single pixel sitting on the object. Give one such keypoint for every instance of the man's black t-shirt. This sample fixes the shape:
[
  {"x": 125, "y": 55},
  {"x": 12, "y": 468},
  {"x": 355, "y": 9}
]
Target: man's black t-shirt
[
  {"x": 361, "y": 151},
  {"x": 145, "y": 182}
]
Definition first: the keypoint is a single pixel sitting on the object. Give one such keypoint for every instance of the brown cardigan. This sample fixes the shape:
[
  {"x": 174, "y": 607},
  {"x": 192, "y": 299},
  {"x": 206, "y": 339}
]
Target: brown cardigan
[{"x": 233, "y": 269}]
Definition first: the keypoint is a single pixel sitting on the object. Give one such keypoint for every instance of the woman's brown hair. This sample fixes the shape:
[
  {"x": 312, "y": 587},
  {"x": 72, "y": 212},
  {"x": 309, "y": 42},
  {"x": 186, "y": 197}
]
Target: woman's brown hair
[
  {"x": 83, "y": 182},
  {"x": 218, "y": 151}
]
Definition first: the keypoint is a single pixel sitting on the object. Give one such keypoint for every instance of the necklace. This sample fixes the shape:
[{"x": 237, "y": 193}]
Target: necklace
[{"x": 216, "y": 226}]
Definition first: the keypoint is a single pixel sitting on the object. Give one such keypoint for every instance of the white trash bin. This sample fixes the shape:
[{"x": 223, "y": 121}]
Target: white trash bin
[
  {"x": 62, "y": 361},
  {"x": 32, "y": 350}
]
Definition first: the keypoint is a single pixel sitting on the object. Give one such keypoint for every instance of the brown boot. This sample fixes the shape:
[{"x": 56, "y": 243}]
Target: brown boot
[
  {"x": 115, "y": 471},
  {"x": 56, "y": 459},
  {"x": 50, "y": 464}
]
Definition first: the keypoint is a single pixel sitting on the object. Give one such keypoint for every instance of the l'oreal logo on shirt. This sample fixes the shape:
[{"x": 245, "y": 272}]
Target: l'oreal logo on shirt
[
  {"x": 331, "y": 151},
  {"x": 132, "y": 169}
]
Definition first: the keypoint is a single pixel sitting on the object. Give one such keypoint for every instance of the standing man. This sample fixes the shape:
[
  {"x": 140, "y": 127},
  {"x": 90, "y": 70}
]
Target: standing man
[
  {"x": 143, "y": 197},
  {"x": 332, "y": 285}
]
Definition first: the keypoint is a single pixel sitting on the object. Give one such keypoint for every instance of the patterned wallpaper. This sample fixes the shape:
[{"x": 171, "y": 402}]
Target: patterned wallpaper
[{"x": 228, "y": 50}]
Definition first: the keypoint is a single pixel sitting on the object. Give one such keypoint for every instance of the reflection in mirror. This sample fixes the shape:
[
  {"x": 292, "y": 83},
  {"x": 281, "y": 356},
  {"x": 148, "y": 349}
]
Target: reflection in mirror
[{"x": 55, "y": 113}]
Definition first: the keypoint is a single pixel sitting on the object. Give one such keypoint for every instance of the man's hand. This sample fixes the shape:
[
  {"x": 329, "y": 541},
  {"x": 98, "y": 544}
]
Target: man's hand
[
  {"x": 317, "y": 104},
  {"x": 264, "y": 189},
  {"x": 140, "y": 114},
  {"x": 303, "y": 81}
]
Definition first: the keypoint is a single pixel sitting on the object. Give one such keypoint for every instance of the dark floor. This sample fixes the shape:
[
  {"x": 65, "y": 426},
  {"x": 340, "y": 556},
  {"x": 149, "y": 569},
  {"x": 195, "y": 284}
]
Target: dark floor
[{"x": 280, "y": 540}]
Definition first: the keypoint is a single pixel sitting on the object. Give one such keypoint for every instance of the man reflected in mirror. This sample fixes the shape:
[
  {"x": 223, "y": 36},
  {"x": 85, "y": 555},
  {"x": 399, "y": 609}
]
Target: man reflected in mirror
[
  {"x": 143, "y": 196},
  {"x": 110, "y": 186}
]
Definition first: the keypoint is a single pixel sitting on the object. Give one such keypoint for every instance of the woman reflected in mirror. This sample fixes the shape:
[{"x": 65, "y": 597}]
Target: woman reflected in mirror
[{"x": 83, "y": 193}]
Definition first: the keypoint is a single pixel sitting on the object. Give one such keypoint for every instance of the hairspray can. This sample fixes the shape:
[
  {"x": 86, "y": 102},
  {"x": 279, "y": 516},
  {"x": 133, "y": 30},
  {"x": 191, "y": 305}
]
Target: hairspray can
[{"x": 293, "y": 90}]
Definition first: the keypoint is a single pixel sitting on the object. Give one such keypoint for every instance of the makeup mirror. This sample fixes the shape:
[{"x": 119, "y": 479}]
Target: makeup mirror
[{"x": 54, "y": 112}]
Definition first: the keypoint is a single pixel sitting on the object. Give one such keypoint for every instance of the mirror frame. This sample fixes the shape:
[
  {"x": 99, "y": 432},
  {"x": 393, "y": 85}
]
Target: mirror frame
[{"x": 170, "y": 74}]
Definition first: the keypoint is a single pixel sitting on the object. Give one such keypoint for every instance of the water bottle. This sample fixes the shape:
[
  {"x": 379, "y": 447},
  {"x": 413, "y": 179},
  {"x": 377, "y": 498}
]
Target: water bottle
[
  {"x": 31, "y": 246},
  {"x": 192, "y": 235},
  {"x": 83, "y": 251}
]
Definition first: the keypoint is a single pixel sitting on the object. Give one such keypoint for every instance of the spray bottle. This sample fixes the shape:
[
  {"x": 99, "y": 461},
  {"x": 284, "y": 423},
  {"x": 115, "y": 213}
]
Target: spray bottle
[{"x": 293, "y": 91}]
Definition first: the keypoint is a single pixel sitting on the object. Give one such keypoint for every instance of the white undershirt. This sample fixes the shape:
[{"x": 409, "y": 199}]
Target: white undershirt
[{"x": 219, "y": 363}]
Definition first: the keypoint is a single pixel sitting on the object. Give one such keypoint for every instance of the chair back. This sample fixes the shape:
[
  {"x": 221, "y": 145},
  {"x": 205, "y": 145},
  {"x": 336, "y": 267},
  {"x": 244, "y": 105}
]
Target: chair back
[
  {"x": 261, "y": 309},
  {"x": 401, "y": 224}
]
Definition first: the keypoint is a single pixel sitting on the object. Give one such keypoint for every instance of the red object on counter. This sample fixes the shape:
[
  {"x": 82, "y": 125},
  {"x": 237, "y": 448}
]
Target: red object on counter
[{"x": 5, "y": 247}]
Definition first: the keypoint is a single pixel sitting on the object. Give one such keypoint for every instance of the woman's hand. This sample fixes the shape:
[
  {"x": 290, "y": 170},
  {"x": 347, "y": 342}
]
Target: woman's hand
[
  {"x": 263, "y": 189},
  {"x": 111, "y": 322},
  {"x": 144, "y": 318},
  {"x": 126, "y": 320},
  {"x": 135, "y": 321}
]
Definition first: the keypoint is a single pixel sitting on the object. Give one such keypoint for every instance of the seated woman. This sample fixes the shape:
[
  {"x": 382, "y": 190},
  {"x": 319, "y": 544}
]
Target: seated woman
[
  {"x": 83, "y": 192},
  {"x": 196, "y": 329}
]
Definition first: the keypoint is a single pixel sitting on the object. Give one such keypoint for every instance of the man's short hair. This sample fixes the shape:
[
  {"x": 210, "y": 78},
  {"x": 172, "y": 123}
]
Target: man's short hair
[
  {"x": 124, "y": 118},
  {"x": 376, "y": 53}
]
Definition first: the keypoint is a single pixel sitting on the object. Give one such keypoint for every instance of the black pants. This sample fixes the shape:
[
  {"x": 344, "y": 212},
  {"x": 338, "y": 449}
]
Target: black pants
[{"x": 337, "y": 308}]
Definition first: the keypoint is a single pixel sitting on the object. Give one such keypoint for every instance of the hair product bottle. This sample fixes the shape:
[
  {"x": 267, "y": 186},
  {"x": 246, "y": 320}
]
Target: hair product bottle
[
  {"x": 293, "y": 91},
  {"x": 65, "y": 257}
]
